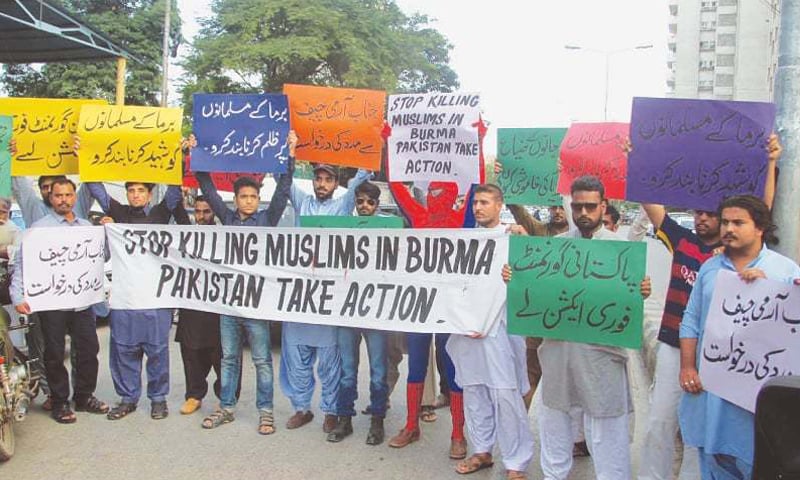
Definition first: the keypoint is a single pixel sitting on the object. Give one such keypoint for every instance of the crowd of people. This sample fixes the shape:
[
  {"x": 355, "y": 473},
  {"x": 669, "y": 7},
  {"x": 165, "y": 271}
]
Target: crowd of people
[{"x": 582, "y": 390}]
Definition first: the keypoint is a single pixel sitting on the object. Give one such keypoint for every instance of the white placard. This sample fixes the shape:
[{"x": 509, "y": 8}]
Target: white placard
[
  {"x": 434, "y": 137},
  {"x": 63, "y": 267},
  {"x": 752, "y": 334}
]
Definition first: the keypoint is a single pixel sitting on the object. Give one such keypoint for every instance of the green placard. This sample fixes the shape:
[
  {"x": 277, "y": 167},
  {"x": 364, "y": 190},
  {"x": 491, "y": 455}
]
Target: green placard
[
  {"x": 585, "y": 291},
  {"x": 371, "y": 221},
  {"x": 530, "y": 164},
  {"x": 6, "y": 127}
]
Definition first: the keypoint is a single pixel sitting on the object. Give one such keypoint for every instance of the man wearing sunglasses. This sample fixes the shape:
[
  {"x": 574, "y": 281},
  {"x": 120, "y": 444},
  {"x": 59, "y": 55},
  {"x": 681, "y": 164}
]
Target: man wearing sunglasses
[
  {"x": 349, "y": 341},
  {"x": 662, "y": 451},
  {"x": 586, "y": 376}
]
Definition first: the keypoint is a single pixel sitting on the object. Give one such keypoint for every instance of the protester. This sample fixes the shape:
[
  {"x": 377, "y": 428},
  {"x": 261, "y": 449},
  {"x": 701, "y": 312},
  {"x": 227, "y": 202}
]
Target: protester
[
  {"x": 438, "y": 213},
  {"x": 590, "y": 377},
  {"x": 723, "y": 432},
  {"x": 199, "y": 336},
  {"x": 611, "y": 218},
  {"x": 301, "y": 344},
  {"x": 492, "y": 371},
  {"x": 233, "y": 330},
  {"x": 349, "y": 341},
  {"x": 139, "y": 332},
  {"x": 661, "y": 457},
  {"x": 56, "y": 324}
]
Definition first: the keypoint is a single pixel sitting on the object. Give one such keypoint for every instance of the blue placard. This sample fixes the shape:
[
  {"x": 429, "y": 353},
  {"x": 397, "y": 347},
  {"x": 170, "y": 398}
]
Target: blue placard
[{"x": 240, "y": 133}]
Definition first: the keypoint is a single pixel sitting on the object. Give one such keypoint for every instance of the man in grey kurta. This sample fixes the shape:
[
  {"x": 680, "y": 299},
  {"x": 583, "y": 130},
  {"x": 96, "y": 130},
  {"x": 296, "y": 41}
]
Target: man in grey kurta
[{"x": 589, "y": 377}]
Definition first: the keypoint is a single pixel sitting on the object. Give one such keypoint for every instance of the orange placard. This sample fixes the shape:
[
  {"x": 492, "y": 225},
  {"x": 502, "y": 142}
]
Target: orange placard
[{"x": 340, "y": 126}]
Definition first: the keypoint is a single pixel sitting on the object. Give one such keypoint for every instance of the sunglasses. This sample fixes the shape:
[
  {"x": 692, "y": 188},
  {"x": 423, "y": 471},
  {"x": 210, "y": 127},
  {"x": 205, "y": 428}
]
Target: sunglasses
[
  {"x": 368, "y": 201},
  {"x": 588, "y": 206}
]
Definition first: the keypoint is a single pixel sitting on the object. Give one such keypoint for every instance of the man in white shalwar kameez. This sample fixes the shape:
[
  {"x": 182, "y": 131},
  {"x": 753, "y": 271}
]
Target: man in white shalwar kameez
[
  {"x": 492, "y": 370},
  {"x": 590, "y": 377}
]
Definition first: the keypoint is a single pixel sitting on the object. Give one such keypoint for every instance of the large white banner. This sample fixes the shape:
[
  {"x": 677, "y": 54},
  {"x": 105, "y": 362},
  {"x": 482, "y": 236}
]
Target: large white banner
[
  {"x": 752, "y": 334},
  {"x": 434, "y": 137},
  {"x": 434, "y": 281},
  {"x": 63, "y": 267}
]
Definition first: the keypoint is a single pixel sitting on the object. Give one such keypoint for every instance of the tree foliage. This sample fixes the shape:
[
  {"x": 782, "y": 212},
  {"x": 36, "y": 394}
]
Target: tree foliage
[
  {"x": 134, "y": 25},
  {"x": 255, "y": 46}
]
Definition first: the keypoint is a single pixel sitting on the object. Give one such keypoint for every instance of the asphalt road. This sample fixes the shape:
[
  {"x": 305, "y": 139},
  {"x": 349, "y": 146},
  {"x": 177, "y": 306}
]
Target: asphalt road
[{"x": 176, "y": 448}]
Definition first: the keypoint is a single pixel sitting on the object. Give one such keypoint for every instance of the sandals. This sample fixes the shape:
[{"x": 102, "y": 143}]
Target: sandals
[
  {"x": 476, "y": 462},
  {"x": 121, "y": 411},
  {"x": 427, "y": 415},
  {"x": 516, "y": 475},
  {"x": 217, "y": 418},
  {"x": 63, "y": 414},
  {"x": 92, "y": 405},
  {"x": 266, "y": 422}
]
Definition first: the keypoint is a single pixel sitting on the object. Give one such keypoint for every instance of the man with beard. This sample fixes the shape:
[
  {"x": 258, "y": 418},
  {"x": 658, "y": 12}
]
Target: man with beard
[
  {"x": 586, "y": 376},
  {"x": 78, "y": 323},
  {"x": 723, "y": 432},
  {"x": 349, "y": 341},
  {"x": 303, "y": 343},
  {"x": 199, "y": 337},
  {"x": 662, "y": 449}
]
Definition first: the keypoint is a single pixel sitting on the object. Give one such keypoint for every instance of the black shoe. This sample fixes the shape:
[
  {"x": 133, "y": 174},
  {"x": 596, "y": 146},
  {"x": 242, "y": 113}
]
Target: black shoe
[
  {"x": 158, "y": 410},
  {"x": 375, "y": 435},
  {"x": 120, "y": 411},
  {"x": 344, "y": 428}
]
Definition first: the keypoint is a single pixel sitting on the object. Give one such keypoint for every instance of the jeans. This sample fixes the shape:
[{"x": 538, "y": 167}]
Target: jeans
[
  {"x": 349, "y": 340},
  {"x": 232, "y": 331}
]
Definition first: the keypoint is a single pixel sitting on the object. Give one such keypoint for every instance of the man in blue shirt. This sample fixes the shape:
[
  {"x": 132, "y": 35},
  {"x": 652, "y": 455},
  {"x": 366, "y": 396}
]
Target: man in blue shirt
[
  {"x": 80, "y": 324},
  {"x": 233, "y": 329},
  {"x": 722, "y": 431},
  {"x": 302, "y": 343}
]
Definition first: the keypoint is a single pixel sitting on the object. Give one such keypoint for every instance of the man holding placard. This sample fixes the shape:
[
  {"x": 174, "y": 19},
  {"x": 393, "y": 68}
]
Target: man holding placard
[
  {"x": 233, "y": 330},
  {"x": 349, "y": 340},
  {"x": 302, "y": 344},
  {"x": 55, "y": 324},
  {"x": 586, "y": 376},
  {"x": 492, "y": 372},
  {"x": 135, "y": 333},
  {"x": 689, "y": 249},
  {"x": 723, "y": 432}
]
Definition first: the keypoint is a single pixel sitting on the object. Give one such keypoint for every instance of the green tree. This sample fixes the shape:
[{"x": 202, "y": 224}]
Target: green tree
[
  {"x": 258, "y": 46},
  {"x": 135, "y": 25}
]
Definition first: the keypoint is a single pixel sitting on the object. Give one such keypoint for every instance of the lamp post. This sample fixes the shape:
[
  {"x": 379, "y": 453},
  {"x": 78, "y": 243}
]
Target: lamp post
[{"x": 608, "y": 54}]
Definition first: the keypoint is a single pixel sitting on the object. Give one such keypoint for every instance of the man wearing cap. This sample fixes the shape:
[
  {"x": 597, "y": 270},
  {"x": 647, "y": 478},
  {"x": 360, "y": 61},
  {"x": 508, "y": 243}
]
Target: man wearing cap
[{"x": 302, "y": 343}]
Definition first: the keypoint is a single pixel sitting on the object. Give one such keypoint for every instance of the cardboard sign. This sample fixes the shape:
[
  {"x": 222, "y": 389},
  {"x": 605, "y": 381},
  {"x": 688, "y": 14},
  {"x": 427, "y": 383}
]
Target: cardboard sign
[
  {"x": 137, "y": 144},
  {"x": 595, "y": 149},
  {"x": 339, "y": 126},
  {"x": 530, "y": 165}
]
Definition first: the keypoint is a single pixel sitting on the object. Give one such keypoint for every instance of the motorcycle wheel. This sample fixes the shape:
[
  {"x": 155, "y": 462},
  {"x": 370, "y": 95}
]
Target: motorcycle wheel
[{"x": 6, "y": 422}]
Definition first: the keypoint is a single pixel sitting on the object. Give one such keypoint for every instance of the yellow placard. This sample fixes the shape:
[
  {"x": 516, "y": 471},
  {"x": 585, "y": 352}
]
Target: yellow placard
[
  {"x": 43, "y": 130},
  {"x": 137, "y": 144}
]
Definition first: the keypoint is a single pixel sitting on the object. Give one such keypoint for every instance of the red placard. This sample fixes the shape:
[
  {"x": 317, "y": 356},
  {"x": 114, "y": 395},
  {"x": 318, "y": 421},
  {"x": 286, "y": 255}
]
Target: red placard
[{"x": 595, "y": 149}]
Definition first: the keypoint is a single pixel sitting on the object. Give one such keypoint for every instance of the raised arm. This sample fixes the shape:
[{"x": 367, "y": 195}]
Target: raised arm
[
  {"x": 349, "y": 199},
  {"x": 406, "y": 201},
  {"x": 210, "y": 192},
  {"x": 84, "y": 203},
  {"x": 774, "y": 151},
  {"x": 99, "y": 193},
  {"x": 655, "y": 213},
  {"x": 30, "y": 202},
  {"x": 524, "y": 219},
  {"x": 280, "y": 197}
]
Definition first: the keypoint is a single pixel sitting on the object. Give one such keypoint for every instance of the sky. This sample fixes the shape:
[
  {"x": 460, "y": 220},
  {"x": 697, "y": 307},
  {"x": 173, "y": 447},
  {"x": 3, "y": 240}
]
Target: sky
[{"x": 512, "y": 53}]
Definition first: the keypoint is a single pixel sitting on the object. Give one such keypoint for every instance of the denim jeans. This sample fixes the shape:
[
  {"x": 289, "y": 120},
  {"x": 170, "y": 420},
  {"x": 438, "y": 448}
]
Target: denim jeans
[
  {"x": 349, "y": 345},
  {"x": 232, "y": 330}
]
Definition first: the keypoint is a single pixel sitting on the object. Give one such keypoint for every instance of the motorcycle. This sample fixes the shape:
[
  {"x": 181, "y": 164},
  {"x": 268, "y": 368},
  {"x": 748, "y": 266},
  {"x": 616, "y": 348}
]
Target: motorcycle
[{"x": 19, "y": 384}]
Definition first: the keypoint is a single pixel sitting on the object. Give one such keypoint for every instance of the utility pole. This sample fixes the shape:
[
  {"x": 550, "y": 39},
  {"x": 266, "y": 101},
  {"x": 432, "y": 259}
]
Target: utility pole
[
  {"x": 165, "y": 54},
  {"x": 787, "y": 99}
]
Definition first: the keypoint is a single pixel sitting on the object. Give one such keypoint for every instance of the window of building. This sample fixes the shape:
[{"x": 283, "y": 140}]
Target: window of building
[
  {"x": 673, "y": 28},
  {"x": 728, "y": 3},
  {"x": 726, "y": 40},
  {"x": 725, "y": 60},
  {"x": 708, "y": 25},
  {"x": 673, "y": 10},
  {"x": 727, "y": 19},
  {"x": 708, "y": 5},
  {"x": 724, "y": 80},
  {"x": 706, "y": 65},
  {"x": 707, "y": 45}
]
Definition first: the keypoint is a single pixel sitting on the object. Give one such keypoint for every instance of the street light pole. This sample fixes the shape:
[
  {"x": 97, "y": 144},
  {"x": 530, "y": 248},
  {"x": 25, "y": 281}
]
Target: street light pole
[{"x": 608, "y": 54}]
